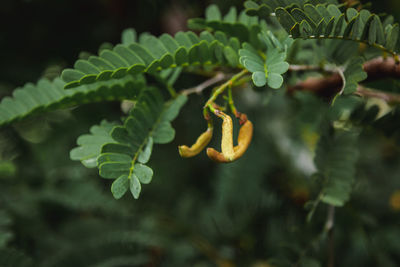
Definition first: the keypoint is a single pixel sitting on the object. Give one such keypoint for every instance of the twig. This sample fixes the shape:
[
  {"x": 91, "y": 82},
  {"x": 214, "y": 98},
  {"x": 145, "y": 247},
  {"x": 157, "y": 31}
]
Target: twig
[
  {"x": 324, "y": 87},
  {"x": 199, "y": 88},
  {"x": 304, "y": 68},
  {"x": 390, "y": 98},
  {"x": 378, "y": 68}
]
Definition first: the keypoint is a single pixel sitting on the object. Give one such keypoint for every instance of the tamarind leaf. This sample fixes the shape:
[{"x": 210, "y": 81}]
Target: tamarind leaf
[
  {"x": 334, "y": 11},
  {"x": 329, "y": 27},
  {"x": 144, "y": 156},
  {"x": 321, "y": 28},
  {"x": 340, "y": 26},
  {"x": 270, "y": 70},
  {"x": 304, "y": 20},
  {"x": 213, "y": 13},
  {"x": 236, "y": 25},
  {"x": 264, "y": 9},
  {"x": 351, "y": 13},
  {"x": 144, "y": 173},
  {"x": 313, "y": 13},
  {"x": 393, "y": 36},
  {"x": 231, "y": 16},
  {"x": 120, "y": 186},
  {"x": 349, "y": 28},
  {"x": 90, "y": 145},
  {"x": 135, "y": 186},
  {"x": 335, "y": 159},
  {"x": 285, "y": 19},
  {"x": 259, "y": 78},
  {"x": 357, "y": 29},
  {"x": 300, "y": 16},
  {"x": 129, "y": 36},
  {"x": 152, "y": 54},
  {"x": 47, "y": 96},
  {"x": 120, "y": 151},
  {"x": 353, "y": 74},
  {"x": 274, "y": 80}
]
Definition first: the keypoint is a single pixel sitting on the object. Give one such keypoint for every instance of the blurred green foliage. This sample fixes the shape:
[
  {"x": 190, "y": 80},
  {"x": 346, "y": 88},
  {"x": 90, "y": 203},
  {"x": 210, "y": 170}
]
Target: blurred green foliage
[{"x": 55, "y": 212}]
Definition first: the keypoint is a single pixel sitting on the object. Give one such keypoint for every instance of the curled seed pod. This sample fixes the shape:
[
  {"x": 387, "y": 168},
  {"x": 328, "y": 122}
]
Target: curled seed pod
[
  {"x": 216, "y": 156},
  {"x": 244, "y": 139},
  {"x": 201, "y": 142},
  {"x": 227, "y": 138}
]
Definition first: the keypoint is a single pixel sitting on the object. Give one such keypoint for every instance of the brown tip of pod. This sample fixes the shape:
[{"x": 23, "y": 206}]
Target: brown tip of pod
[{"x": 216, "y": 156}]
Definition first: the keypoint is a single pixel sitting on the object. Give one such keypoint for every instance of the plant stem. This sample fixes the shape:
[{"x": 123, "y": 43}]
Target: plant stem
[
  {"x": 222, "y": 88},
  {"x": 390, "y": 98},
  {"x": 230, "y": 102},
  {"x": 305, "y": 68},
  {"x": 200, "y": 88},
  {"x": 171, "y": 91}
]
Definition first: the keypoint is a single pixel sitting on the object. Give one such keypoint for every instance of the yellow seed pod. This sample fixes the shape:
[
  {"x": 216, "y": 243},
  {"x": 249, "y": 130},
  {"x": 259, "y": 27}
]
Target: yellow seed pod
[
  {"x": 244, "y": 139},
  {"x": 227, "y": 138},
  {"x": 201, "y": 142}
]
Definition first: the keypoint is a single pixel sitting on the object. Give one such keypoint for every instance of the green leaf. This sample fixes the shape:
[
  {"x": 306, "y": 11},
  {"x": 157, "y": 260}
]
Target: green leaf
[
  {"x": 148, "y": 122},
  {"x": 310, "y": 21},
  {"x": 90, "y": 145},
  {"x": 351, "y": 13},
  {"x": 330, "y": 27},
  {"x": 110, "y": 170},
  {"x": 144, "y": 173},
  {"x": 231, "y": 16},
  {"x": 312, "y": 12},
  {"x": 334, "y": 11},
  {"x": 353, "y": 74},
  {"x": 70, "y": 75},
  {"x": 153, "y": 54},
  {"x": 120, "y": 186},
  {"x": 285, "y": 19},
  {"x": 392, "y": 37},
  {"x": 340, "y": 26},
  {"x": 259, "y": 78},
  {"x": 173, "y": 107},
  {"x": 279, "y": 68},
  {"x": 349, "y": 28},
  {"x": 321, "y": 28},
  {"x": 335, "y": 158},
  {"x": 301, "y": 17},
  {"x": 378, "y": 28},
  {"x": 164, "y": 133},
  {"x": 135, "y": 186},
  {"x": 144, "y": 156},
  {"x": 253, "y": 66},
  {"x": 266, "y": 71},
  {"x": 213, "y": 13},
  {"x": 128, "y": 36},
  {"x": 231, "y": 56},
  {"x": 47, "y": 96},
  {"x": 275, "y": 80}
]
